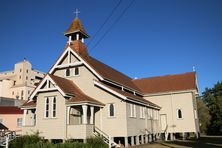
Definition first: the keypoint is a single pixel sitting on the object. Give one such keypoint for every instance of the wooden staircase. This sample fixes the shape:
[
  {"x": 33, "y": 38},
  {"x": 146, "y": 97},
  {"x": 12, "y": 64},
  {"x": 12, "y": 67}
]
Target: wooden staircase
[{"x": 106, "y": 138}]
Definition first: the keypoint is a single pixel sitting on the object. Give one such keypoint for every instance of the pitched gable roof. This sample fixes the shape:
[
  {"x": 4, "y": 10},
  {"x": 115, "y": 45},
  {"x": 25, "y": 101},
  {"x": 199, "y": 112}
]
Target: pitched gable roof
[
  {"x": 111, "y": 74},
  {"x": 102, "y": 69},
  {"x": 68, "y": 87},
  {"x": 177, "y": 82},
  {"x": 76, "y": 26},
  {"x": 128, "y": 95}
]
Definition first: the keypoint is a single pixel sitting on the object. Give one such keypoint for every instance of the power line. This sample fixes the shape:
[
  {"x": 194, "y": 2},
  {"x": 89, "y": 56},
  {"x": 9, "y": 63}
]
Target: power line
[
  {"x": 100, "y": 28},
  {"x": 109, "y": 29}
]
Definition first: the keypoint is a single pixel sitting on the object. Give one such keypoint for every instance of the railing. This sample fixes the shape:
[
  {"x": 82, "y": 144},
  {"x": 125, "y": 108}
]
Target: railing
[
  {"x": 106, "y": 138},
  {"x": 6, "y": 137}
]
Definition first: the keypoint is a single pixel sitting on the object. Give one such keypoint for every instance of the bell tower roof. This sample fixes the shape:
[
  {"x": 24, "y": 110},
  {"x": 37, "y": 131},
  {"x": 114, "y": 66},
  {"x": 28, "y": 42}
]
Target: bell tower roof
[{"x": 76, "y": 27}]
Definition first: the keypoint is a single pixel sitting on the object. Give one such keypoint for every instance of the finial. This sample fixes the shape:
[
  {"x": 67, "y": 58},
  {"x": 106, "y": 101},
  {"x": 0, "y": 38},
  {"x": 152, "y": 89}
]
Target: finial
[
  {"x": 77, "y": 12},
  {"x": 194, "y": 68}
]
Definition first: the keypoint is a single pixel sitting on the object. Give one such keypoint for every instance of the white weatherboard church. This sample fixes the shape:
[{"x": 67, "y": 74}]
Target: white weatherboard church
[{"x": 82, "y": 97}]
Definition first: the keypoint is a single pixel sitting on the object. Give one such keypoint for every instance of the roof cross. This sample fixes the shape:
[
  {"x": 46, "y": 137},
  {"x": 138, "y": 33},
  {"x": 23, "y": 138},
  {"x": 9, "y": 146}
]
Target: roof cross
[{"x": 77, "y": 12}]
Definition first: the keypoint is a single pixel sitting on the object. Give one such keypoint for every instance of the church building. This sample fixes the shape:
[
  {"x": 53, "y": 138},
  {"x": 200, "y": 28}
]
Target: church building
[{"x": 81, "y": 97}]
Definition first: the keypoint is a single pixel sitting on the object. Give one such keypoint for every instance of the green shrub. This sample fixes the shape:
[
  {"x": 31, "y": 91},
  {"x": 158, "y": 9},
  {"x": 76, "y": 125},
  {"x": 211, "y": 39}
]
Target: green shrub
[
  {"x": 21, "y": 141},
  {"x": 96, "y": 142},
  {"x": 34, "y": 141}
]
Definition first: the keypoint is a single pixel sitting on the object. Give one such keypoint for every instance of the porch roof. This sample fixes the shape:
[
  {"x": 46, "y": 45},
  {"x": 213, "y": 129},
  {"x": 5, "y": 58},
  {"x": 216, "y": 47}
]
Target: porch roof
[{"x": 70, "y": 88}]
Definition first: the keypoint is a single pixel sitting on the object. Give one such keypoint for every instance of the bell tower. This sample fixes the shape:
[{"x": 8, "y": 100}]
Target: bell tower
[{"x": 76, "y": 30}]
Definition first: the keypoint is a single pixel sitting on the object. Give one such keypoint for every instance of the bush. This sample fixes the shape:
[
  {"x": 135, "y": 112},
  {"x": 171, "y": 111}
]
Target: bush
[
  {"x": 21, "y": 141},
  {"x": 96, "y": 142},
  {"x": 34, "y": 141}
]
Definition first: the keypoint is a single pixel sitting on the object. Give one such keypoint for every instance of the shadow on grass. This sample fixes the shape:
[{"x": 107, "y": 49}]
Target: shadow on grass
[{"x": 205, "y": 142}]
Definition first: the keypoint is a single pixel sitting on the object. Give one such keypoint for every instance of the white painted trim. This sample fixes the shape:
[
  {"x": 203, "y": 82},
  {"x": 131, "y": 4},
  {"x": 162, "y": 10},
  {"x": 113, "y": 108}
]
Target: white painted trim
[
  {"x": 45, "y": 107},
  {"x": 69, "y": 65},
  {"x": 169, "y": 92},
  {"x": 83, "y": 103},
  {"x": 114, "y": 110},
  {"x": 121, "y": 96},
  {"x": 28, "y": 107},
  {"x": 121, "y": 85},
  {"x": 57, "y": 62},
  {"x": 48, "y": 89},
  {"x": 79, "y": 58},
  {"x": 110, "y": 90},
  {"x": 40, "y": 85},
  {"x": 177, "y": 115}
]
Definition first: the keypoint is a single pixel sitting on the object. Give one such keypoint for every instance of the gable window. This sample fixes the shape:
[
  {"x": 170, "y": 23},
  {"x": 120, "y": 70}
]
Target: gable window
[
  {"x": 46, "y": 107},
  {"x": 19, "y": 122},
  {"x": 76, "y": 71},
  {"x": 179, "y": 114},
  {"x": 111, "y": 110},
  {"x": 54, "y": 107},
  {"x": 67, "y": 72}
]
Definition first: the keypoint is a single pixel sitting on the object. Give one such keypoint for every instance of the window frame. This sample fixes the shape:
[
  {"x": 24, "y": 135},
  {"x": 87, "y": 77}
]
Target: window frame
[
  {"x": 46, "y": 111},
  {"x": 68, "y": 69},
  {"x": 19, "y": 122},
  {"x": 53, "y": 110},
  {"x": 114, "y": 110},
  {"x": 177, "y": 113},
  {"x": 74, "y": 71}
]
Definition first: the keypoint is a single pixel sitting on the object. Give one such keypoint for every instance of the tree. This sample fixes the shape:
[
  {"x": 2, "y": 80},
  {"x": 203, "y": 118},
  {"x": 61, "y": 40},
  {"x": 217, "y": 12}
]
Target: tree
[
  {"x": 213, "y": 99},
  {"x": 203, "y": 114}
]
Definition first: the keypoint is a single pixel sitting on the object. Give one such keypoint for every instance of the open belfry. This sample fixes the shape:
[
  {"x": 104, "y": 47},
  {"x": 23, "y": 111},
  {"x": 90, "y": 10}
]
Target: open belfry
[{"x": 82, "y": 97}]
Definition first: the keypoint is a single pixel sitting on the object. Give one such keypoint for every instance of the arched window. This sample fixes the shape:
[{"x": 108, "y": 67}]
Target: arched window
[
  {"x": 47, "y": 108},
  {"x": 111, "y": 110},
  {"x": 54, "y": 107},
  {"x": 179, "y": 114},
  {"x": 76, "y": 71},
  {"x": 67, "y": 72}
]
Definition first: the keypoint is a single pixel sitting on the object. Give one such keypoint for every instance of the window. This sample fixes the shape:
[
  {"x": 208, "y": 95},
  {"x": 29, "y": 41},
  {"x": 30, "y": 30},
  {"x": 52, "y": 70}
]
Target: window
[
  {"x": 76, "y": 71},
  {"x": 179, "y": 114},
  {"x": 19, "y": 122},
  {"x": 20, "y": 77},
  {"x": 150, "y": 113},
  {"x": 27, "y": 71},
  {"x": 67, "y": 72},
  {"x": 26, "y": 78},
  {"x": 132, "y": 110},
  {"x": 53, "y": 107},
  {"x": 28, "y": 91},
  {"x": 20, "y": 70},
  {"x": 142, "y": 112},
  {"x": 46, "y": 107},
  {"x": 13, "y": 93},
  {"x": 111, "y": 110}
]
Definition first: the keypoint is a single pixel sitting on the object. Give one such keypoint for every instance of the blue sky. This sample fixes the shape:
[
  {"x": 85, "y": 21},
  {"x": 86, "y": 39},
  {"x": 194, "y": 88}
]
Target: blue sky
[{"x": 153, "y": 37}]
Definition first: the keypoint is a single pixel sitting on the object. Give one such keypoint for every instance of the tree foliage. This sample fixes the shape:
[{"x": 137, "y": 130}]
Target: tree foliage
[
  {"x": 204, "y": 115},
  {"x": 213, "y": 100}
]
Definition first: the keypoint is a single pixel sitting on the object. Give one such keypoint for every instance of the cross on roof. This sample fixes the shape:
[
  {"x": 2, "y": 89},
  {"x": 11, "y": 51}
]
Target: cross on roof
[{"x": 77, "y": 12}]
